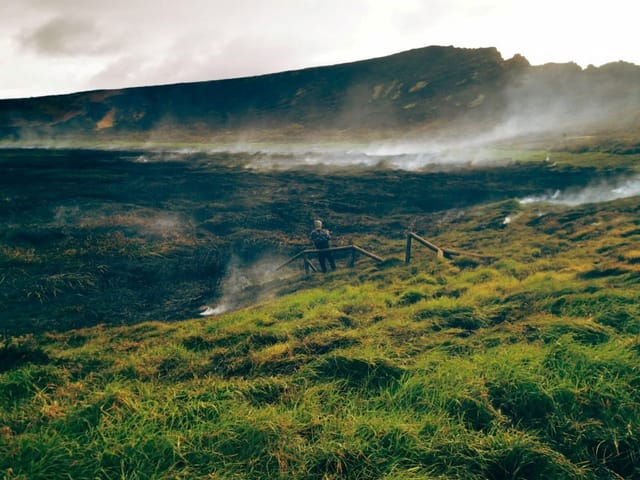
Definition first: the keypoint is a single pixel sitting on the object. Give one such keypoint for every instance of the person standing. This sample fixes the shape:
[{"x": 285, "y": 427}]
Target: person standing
[{"x": 320, "y": 238}]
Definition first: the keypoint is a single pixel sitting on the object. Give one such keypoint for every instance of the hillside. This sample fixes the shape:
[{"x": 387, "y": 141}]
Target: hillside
[
  {"x": 522, "y": 367},
  {"x": 143, "y": 208},
  {"x": 433, "y": 90}
]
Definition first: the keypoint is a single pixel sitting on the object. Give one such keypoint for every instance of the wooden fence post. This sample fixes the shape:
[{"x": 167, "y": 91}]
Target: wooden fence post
[
  {"x": 407, "y": 255},
  {"x": 352, "y": 262}
]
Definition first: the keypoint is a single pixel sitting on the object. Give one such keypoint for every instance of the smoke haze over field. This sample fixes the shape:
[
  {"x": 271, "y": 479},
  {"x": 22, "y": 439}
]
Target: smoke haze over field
[
  {"x": 410, "y": 157},
  {"x": 437, "y": 156},
  {"x": 597, "y": 193}
]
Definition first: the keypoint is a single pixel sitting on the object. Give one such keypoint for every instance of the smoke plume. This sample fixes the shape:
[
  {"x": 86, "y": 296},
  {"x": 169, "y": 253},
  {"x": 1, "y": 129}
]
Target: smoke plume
[
  {"x": 597, "y": 193},
  {"x": 245, "y": 285}
]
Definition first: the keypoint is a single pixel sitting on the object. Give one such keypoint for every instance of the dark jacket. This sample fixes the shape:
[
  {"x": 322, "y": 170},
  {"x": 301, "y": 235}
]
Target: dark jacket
[{"x": 320, "y": 238}]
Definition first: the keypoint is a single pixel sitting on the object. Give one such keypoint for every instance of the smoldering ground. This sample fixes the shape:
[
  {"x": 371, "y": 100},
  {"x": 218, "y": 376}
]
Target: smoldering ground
[
  {"x": 245, "y": 283},
  {"x": 597, "y": 192},
  {"x": 125, "y": 236}
]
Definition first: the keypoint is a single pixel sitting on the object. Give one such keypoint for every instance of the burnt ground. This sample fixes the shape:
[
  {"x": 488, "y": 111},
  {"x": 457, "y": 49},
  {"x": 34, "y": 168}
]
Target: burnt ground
[{"x": 119, "y": 237}]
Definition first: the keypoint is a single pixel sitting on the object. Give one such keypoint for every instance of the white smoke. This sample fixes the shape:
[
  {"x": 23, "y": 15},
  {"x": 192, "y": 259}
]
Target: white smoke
[
  {"x": 246, "y": 284},
  {"x": 603, "y": 192},
  {"x": 168, "y": 225},
  {"x": 208, "y": 311},
  {"x": 398, "y": 155}
]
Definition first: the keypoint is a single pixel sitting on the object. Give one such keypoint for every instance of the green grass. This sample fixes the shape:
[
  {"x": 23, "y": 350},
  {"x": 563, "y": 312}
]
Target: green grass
[{"x": 522, "y": 368}]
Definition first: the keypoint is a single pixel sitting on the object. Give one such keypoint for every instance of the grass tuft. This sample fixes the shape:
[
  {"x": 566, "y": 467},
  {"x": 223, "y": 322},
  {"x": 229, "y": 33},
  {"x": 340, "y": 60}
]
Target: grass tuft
[{"x": 355, "y": 372}]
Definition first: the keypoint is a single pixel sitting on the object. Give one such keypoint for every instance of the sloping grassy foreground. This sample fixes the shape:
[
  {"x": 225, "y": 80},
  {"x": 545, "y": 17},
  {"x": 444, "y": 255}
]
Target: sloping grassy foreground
[{"x": 525, "y": 367}]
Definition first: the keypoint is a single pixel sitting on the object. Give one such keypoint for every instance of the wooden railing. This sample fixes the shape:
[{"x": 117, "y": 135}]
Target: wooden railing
[
  {"x": 353, "y": 249},
  {"x": 440, "y": 251}
]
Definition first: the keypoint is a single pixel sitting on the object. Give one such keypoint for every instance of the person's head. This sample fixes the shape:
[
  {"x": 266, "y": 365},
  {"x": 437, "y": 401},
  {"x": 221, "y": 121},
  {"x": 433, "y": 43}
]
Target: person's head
[{"x": 317, "y": 224}]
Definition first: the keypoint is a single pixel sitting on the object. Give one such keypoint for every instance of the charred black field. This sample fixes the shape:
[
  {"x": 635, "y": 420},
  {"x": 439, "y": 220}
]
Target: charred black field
[{"x": 119, "y": 237}]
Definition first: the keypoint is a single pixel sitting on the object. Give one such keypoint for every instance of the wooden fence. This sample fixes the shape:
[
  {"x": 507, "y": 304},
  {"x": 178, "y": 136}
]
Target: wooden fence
[
  {"x": 353, "y": 249},
  {"x": 441, "y": 252}
]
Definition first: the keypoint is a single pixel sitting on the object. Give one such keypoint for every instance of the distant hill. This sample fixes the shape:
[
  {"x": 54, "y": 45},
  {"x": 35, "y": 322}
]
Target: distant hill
[{"x": 432, "y": 88}]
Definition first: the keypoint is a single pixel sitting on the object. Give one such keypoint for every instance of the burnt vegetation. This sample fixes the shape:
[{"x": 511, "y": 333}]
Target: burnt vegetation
[{"x": 102, "y": 237}]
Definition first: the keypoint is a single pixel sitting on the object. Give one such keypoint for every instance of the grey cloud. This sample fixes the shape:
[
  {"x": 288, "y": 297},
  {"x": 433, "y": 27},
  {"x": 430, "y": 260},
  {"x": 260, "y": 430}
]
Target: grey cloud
[
  {"x": 138, "y": 69},
  {"x": 122, "y": 72},
  {"x": 251, "y": 54},
  {"x": 197, "y": 39},
  {"x": 198, "y": 56},
  {"x": 67, "y": 37}
]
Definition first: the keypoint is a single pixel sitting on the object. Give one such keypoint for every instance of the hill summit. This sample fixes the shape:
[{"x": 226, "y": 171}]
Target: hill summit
[{"x": 423, "y": 90}]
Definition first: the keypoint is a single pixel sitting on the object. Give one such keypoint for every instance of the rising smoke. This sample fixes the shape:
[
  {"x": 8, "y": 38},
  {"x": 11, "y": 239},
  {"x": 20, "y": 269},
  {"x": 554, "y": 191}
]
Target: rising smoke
[
  {"x": 245, "y": 285},
  {"x": 143, "y": 221},
  {"x": 424, "y": 155},
  {"x": 597, "y": 193}
]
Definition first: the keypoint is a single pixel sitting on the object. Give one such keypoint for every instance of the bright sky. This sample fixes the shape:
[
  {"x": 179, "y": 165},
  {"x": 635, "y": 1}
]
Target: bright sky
[{"x": 63, "y": 46}]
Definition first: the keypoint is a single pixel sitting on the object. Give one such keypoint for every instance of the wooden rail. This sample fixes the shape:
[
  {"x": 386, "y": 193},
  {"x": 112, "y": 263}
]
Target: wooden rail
[
  {"x": 440, "y": 251},
  {"x": 354, "y": 249}
]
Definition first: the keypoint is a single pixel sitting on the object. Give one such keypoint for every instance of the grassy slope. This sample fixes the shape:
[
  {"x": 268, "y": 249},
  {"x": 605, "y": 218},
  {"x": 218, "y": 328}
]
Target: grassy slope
[{"x": 525, "y": 367}]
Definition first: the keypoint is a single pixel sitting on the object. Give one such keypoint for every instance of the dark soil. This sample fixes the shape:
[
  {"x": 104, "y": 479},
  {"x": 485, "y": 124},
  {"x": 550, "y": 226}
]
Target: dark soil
[{"x": 118, "y": 237}]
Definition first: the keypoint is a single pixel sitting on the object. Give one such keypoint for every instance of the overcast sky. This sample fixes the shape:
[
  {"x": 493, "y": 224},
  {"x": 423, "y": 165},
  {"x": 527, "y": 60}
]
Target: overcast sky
[{"x": 63, "y": 46}]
